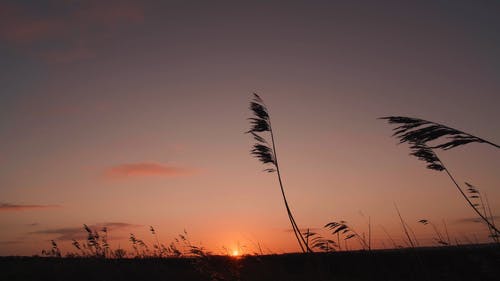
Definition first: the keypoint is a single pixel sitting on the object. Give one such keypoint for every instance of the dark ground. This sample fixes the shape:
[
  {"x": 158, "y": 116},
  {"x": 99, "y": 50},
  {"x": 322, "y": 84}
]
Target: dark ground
[{"x": 444, "y": 263}]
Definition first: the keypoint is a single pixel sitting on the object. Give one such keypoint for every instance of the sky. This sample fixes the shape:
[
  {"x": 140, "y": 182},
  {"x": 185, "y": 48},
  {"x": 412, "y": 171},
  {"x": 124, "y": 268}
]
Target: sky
[{"x": 130, "y": 114}]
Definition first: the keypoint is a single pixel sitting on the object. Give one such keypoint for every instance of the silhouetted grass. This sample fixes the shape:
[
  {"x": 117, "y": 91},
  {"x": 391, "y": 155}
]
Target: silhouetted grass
[
  {"x": 476, "y": 198},
  {"x": 266, "y": 153},
  {"x": 452, "y": 263},
  {"x": 316, "y": 241},
  {"x": 347, "y": 232},
  {"x": 439, "y": 238},
  {"x": 416, "y": 130},
  {"x": 418, "y": 133}
]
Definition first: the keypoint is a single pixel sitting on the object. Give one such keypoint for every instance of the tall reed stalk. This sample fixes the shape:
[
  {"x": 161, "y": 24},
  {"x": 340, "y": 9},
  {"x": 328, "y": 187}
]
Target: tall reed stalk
[
  {"x": 404, "y": 225},
  {"x": 266, "y": 153}
]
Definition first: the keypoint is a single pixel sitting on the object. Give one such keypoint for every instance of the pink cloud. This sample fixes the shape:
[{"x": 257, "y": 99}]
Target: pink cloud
[
  {"x": 146, "y": 169},
  {"x": 7, "y": 207},
  {"x": 20, "y": 31},
  {"x": 78, "y": 29},
  {"x": 19, "y": 26}
]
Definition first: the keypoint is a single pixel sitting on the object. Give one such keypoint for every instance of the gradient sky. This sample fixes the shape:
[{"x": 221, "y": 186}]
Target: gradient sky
[{"x": 133, "y": 113}]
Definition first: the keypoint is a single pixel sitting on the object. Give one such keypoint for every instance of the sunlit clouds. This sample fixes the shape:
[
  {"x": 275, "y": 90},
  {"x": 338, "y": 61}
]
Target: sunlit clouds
[
  {"x": 79, "y": 233},
  {"x": 146, "y": 170},
  {"x": 8, "y": 207}
]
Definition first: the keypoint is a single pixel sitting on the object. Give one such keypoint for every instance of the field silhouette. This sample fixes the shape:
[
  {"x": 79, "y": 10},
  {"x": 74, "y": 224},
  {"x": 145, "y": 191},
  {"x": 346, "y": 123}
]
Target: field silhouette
[{"x": 479, "y": 262}]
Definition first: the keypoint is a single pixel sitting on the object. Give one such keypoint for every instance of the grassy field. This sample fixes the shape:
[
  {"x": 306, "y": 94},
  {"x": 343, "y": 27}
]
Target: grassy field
[{"x": 478, "y": 262}]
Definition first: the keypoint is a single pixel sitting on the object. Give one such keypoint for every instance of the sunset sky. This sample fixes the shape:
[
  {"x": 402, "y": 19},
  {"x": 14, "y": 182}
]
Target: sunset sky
[{"x": 128, "y": 114}]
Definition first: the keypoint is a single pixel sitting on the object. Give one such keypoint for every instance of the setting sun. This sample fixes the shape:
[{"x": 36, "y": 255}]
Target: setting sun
[{"x": 235, "y": 253}]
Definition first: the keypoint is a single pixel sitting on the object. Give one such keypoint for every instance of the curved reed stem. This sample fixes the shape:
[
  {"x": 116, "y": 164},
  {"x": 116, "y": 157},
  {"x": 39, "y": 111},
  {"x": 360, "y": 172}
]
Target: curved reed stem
[
  {"x": 267, "y": 155},
  {"x": 487, "y": 221},
  {"x": 296, "y": 229}
]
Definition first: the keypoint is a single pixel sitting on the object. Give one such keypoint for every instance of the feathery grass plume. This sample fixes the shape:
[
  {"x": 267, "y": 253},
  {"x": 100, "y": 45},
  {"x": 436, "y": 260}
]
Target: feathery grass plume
[
  {"x": 105, "y": 244},
  {"x": 266, "y": 153},
  {"x": 158, "y": 249},
  {"x": 424, "y": 222},
  {"x": 415, "y": 130},
  {"x": 439, "y": 237},
  {"x": 316, "y": 241},
  {"x": 426, "y": 154},
  {"x": 93, "y": 241},
  {"x": 494, "y": 235},
  {"x": 54, "y": 250},
  {"x": 140, "y": 248},
  {"x": 77, "y": 245},
  {"x": 476, "y": 197},
  {"x": 96, "y": 243},
  {"x": 348, "y": 232},
  {"x": 474, "y": 194},
  {"x": 119, "y": 253}
]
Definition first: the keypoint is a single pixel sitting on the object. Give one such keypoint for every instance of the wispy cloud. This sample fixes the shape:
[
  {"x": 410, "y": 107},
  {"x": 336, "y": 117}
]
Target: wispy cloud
[
  {"x": 8, "y": 207},
  {"x": 79, "y": 233},
  {"x": 70, "y": 34},
  {"x": 146, "y": 169}
]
